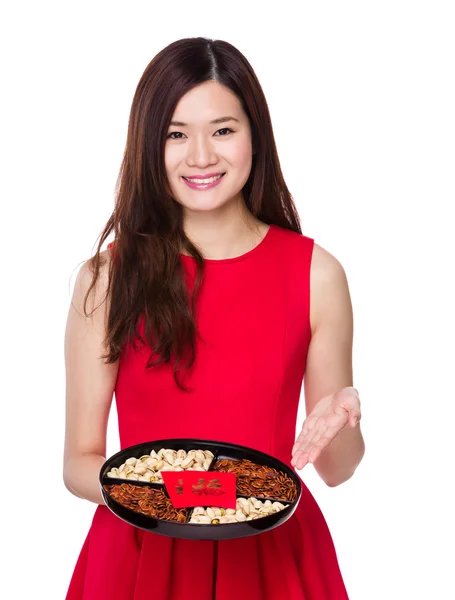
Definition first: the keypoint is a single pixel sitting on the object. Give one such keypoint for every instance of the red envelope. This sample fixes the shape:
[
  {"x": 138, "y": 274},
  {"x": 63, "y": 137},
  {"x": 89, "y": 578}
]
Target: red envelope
[{"x": 199, "y": 488}]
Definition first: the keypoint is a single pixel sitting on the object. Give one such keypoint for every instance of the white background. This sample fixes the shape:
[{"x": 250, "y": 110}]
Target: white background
[{"x": 362, "y": 101}]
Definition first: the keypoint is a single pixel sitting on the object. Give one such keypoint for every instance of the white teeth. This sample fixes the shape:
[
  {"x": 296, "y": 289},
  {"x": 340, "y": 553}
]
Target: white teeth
[{"x": 210, "y": 180}]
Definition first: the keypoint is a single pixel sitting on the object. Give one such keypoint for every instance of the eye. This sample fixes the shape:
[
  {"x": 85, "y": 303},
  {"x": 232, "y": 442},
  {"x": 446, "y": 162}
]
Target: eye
[
  {"x": 175, "y": 133},
  {"x": 225, "y": 129}
]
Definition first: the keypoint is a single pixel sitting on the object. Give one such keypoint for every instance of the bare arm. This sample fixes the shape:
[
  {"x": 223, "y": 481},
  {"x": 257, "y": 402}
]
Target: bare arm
[
  {"x": 329, "y": 362},
  {"x": 90, "y": 386}
]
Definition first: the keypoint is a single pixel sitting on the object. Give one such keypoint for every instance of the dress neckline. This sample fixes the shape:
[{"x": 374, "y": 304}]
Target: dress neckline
[{"x": 224, "y": 261}]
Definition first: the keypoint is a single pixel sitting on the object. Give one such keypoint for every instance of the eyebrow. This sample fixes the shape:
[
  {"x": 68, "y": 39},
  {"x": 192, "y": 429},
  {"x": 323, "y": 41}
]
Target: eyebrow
[{"x": 215, "y": 121}]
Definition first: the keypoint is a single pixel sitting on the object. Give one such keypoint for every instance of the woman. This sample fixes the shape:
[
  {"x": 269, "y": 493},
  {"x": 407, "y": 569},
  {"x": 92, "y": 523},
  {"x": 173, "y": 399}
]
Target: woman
[{"x": 203, "y": 317}]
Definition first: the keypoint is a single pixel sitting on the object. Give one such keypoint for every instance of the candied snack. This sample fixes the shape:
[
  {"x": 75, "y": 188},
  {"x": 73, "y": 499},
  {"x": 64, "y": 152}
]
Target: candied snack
[
  {"x": 258, "y": 480},
  {"x": 146, "y": 500}
]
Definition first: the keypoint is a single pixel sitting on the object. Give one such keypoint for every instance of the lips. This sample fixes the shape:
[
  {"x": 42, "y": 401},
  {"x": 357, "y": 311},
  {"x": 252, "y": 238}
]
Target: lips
[
  {"x": 205, "y": 175},
  {"x": 199, "y": 178},
  {"x": 209, "y": 183}
]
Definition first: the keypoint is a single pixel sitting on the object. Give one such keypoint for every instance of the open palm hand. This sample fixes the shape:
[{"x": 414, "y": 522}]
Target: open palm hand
[{"x": 330, "y": 415}]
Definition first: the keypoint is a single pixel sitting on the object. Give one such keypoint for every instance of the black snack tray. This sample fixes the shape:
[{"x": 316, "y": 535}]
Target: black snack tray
[{"x": 198, "y": 531}]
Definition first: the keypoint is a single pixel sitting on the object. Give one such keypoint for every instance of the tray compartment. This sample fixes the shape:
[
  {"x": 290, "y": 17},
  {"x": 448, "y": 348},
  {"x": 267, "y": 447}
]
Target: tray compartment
[
  {"x": 143, "y": 514},
  {"x": 286, "y": 503},
  {"x": 262, "y": 496},
  {"x": 145, "y": 449}
]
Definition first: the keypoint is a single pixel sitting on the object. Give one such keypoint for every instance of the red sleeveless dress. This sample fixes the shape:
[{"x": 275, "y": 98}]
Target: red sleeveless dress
[{"x": 246, "y": 384}]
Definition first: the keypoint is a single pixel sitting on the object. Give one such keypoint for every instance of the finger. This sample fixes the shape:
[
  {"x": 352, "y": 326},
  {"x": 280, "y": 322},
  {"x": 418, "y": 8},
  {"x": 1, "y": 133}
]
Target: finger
[
  {"x": 305, "y": 458},
  {"x": 352, "y": 390},
  {"x": 299, "y": 462},
  {"x": 307, "y": 429},
  {"x": 314, "y": 454},
  {"x": 304, "y": 441},
  {"x": 301, "y": 454},
  {"x": 354, "y": 417},
  {"x": 320, "y": 445}
]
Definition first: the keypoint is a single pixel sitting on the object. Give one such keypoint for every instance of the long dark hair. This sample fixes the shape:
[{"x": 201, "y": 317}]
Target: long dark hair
[{"x": 146, "y": 280}]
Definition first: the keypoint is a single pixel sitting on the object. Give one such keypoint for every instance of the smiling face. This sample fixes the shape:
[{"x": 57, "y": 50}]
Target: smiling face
[{"x": 201, "y": 149}]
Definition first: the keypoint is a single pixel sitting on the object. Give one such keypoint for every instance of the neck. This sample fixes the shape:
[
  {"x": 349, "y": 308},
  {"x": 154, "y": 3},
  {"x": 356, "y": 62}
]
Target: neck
[{"x": 225, "y": 233}]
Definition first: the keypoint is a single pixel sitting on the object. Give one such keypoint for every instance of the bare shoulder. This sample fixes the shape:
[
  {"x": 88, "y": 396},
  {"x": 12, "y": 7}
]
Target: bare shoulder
[
  {"x": 84, "y": 280},
  {"x": 329, "y": 286},
  {"x": 326, "y": 269}
]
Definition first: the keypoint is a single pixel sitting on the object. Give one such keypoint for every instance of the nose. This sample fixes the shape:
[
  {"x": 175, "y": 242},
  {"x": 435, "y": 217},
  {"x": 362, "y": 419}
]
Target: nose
[{"x": 201, "y": 152}]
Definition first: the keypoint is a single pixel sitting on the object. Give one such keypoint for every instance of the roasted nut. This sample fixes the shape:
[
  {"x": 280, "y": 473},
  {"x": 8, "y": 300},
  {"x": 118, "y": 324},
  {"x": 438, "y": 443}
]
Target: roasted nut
[
  {"x": 169, "y": 457},
  {"x": 149, "y": 466},
  {"x": 246, "y": 510},
  {"x": 189, "y": 460}
]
